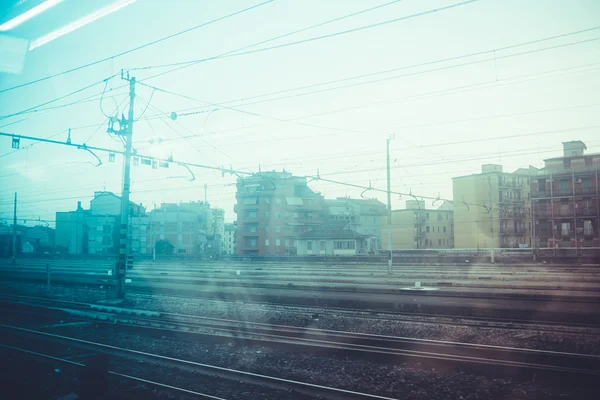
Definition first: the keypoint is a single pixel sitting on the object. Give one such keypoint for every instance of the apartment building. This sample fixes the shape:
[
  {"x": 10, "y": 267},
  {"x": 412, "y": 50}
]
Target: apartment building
[
  {"x": 192, "y": 228},
  {"x": 492, "y": 209},
  {"x": 417, "y": 227},
  {"x": 230, "y": 239},
  {"x": 364, "y": 216},
  {"x": 96, "y": 230},
  {"x": 273, "y": 208},
  {"x": 566, "y": 202}
]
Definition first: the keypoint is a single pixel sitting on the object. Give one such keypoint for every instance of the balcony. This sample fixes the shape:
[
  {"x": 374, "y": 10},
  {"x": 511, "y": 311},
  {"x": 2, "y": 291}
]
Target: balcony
[
  {"x": 512, "y": 232},
  {"x": 563, "y": 192},
  {"x": 586, "y": 212},
  {"x": 420, "y": 234},
  {"x": 540, "y": 194},
  {"x": 587, "y": 190}
]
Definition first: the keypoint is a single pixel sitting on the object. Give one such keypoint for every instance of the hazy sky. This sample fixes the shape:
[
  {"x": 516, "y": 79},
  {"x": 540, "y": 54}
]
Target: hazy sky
[{"x": 548, "y": 96}]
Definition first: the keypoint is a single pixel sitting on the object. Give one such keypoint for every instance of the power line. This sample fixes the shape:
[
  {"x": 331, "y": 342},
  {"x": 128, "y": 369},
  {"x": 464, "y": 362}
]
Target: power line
[
  {"x": 135, "y": 48},
  {"x": 330, "y": 35},
  {"x": 221, "y": 55},
  {"x": 53, "y": 100},
  {"x": 454, "y": 58},
  {"x": 420, "y": 96}
]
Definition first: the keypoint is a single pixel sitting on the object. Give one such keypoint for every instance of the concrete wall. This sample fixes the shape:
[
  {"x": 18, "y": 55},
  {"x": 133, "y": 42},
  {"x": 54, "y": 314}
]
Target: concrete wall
[
  {"x": 471, "y": 222},
  {"x": 403, "y": 230}
]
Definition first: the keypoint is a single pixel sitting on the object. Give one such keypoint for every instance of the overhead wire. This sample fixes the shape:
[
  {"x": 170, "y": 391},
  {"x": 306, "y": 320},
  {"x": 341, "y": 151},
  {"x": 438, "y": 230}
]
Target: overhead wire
[
  {"x": 135, "y": 48},
  {"x": 237, "y": 53},
  {"x": 454, "y": 58}
]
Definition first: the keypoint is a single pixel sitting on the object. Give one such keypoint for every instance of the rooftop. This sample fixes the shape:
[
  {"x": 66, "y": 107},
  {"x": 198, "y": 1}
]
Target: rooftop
[{"x": 331, "y": 232}]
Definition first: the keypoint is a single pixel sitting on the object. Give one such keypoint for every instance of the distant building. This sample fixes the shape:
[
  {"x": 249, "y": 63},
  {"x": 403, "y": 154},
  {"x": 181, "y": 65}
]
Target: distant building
[
  {"x": 504, "y": 196},
  {"x": 192, "y": 228},
  {"x": 364, "y": 216},
  {"x": 333, "y": 241},
  {"x": 71, "y": 231},
  {"x": 96, "y": 231},
  {"x": 40, "y": 238},
  {"x": 566, "y": 201},
  {"x": 419, "y": 228},
  {"x": 230, "y": 239},
  {"x": 273, "y": 208}
]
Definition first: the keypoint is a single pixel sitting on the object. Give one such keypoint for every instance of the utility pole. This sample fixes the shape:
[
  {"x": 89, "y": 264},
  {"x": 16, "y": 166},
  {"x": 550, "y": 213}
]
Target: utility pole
[
  {"x": 14, "y": 260},
  {"x": 126, "y": 130},
  {"x": 205, "y": 193},
  {"x": 491, "y": 220},
  {"x": 389, "y": 206}
]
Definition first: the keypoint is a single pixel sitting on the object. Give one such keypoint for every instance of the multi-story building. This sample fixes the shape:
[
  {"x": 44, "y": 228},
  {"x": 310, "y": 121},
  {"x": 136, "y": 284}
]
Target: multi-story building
[
  {"x": 191, "y": 228},
  {"x": 491, "y": 209},
  {"x": 364, "y": 216},
  {"x": 71, "y": 230},
  {"x": 230, "y": 239},
  {"x": 419, "y": 228},
  {"x": 273, "y": 208},
  {"x": 566, "y": 202},
  {"x": 96, "y": 231}
]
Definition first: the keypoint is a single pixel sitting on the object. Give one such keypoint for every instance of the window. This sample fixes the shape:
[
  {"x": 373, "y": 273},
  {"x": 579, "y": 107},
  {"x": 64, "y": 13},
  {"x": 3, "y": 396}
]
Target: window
[
  {"x": 251, "y": 214},
  {"x": 427, "y": 229},
  {"x": 266, "y": 242},
  {"x": 427, "y": 216},
  {"x": 322, "y": 246},
  {"x": 277, "y": 201},
  {"x": 344, "y": 244},
  {"x": 250, "y": 200},
  {"x": 439, "y": 242},
  {"x": 267, "y": 214},
  {"x": 277, "y": 242},
  {"x": 438, "y": 229},
  {"x": 267, "y": 200},
  {"x": 252, "y": 228},
  {"x": 444, "y": 230},
  {"x": 266, "y": 228},
  {"x": 277, "y": 228},
  {"x": 278, "y": 215},
  {"x": 309, "y": 245},
  {"x": 439, "y": 217},
  {"x": 252, "y": 242},
  {"x": 287, "y": 242}
]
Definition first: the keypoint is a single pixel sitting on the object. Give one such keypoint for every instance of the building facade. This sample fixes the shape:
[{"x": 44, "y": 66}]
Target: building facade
[
  {"x": 492, "y": 209},
  {"x": 192, "y": 228},
  {"x": 365, "y": 216},
  {"x": 332, "y": 241},
  {"x": 230, "y": 239},
  {"x": 96, "y": 231},
  {"x": 566, "y": 202},
  {"x": 273, "y": 208},
  {"x": 419, "y": 228}
]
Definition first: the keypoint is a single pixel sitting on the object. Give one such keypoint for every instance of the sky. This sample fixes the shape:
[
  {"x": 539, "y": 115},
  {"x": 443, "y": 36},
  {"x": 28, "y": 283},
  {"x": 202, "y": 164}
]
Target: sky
[{"x": 496, "y": 99}]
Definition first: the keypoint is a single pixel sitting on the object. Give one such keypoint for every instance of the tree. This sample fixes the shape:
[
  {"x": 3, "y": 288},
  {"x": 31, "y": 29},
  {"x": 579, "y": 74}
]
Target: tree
[{"x": 163, "y": 246}]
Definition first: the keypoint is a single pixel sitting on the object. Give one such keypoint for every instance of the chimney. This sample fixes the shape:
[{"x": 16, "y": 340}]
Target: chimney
[
  {"x": 573, "y": 148},
  {"x": 79, "y": 206},
  {"x": 487, "y": 168}
]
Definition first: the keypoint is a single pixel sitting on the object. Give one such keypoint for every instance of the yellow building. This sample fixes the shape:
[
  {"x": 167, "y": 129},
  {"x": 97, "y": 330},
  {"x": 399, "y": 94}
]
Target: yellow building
[
  {"x": 419, "y": 228},
  {"x": 503, "y": 196}
]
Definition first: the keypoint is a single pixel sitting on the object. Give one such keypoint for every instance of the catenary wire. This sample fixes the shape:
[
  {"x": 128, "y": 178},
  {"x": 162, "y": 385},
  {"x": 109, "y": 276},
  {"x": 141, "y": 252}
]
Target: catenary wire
[{"x": 135, "y": 48}]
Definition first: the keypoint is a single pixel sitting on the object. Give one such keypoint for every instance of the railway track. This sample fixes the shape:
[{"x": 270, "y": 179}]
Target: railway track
[
  {"x": 287, "y": 385},
  {"x": 375, "y": 315},
  {"x": 376, "y": 347}
]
